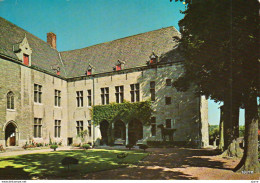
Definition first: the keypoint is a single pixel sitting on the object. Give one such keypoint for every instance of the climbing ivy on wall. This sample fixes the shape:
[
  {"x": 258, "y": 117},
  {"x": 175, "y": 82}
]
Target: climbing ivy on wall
[{"x": 124, "y": 111}]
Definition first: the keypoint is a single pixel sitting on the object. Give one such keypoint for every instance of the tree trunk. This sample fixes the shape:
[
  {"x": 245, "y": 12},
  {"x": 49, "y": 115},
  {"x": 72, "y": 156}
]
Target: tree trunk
[
  {"x": 231, "y": 119},
  {"x": 249, "y": 162},
  {"x": 221, "y": 130}
]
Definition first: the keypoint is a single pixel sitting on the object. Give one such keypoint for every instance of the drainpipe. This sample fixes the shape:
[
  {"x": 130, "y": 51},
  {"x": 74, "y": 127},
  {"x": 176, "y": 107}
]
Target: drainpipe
[{"x": 93, "y": 80}]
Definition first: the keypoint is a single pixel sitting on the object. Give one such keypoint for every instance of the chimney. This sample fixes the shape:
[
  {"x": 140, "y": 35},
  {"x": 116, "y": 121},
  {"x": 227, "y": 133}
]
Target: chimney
[{"x": 51, "y": 39}]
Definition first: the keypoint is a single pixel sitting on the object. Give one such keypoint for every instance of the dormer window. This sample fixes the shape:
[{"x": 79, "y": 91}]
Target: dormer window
[
  {"x": 119, "y": 65},
  {"x": 25, "y": 59},
  {"x": 90, "y": 70},
  {"x": 153, "y": 58},
  {"x": 56, "y": 69},
  {"x": 23, "y": 51}
]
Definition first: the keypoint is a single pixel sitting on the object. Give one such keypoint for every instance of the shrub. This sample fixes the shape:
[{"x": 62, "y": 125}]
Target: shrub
[
  {"x": 2, "y": 148},
  {"x": 129, "y": 146},
  {"x": 143, "y": 146},
  {"x": 85, "y": 146},
  {"x": 54, "y": 147}
]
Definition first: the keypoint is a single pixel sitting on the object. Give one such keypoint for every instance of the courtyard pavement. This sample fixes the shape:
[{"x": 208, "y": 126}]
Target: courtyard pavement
[{"x": 167, "y": 164}]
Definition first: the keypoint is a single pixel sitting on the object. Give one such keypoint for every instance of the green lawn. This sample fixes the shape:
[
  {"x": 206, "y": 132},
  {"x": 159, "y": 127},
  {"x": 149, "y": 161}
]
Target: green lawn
[{"x": 48, "y": 165}]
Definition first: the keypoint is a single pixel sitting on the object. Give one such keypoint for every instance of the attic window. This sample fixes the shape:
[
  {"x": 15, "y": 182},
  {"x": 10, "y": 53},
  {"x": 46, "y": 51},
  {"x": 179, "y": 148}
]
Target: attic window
[
  {"x": 153, "y": 58},
  {"x": 25, "y": 59},
  {"x": 118, "y": 67},
  {"x": 89, "y": 72}
]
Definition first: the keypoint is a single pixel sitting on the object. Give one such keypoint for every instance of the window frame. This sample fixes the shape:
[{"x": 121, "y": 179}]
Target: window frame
[
  {"x": 104, "y": 95},
  {"x": 152, "y": 90},
  {"x": 37, "y": 128},
  {"x": 79, "y": 127},
  {"x": 119, "y": 93},
  {"x": 168, "y": 100},
  {"x": 57, "y": 98},
  {"x": 79, "y": 98},
  {"x": 37, "y": 93},
  {"x": 57, "y": 128},
  {"x": 10, "y": 100},
  {"x": 153, "y": 126},
  {"x": 135, "y": 92}
]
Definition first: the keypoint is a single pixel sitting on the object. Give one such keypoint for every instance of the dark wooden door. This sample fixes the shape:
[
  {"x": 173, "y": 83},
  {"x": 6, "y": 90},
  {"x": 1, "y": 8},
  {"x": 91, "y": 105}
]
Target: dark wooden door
[{"x": 12, "y": 141}]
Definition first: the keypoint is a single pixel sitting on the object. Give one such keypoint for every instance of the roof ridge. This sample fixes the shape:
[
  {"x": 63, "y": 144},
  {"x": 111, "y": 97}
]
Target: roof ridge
[{"x": 121, "y": 38}]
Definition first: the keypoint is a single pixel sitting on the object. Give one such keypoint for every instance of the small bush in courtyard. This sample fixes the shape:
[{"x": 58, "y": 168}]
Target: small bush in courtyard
[
  {"x": 143, "y": 146},
  {"x": 85, "y": 146},
  {"x": 2, "y": 148},
  {"x": 129, "y": 146},
  {"x": 54, "y": 147}
]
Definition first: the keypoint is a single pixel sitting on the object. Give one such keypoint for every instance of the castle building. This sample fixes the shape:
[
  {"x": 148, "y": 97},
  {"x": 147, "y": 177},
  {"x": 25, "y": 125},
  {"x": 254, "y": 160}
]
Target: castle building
[{"x": 48, "y": 95}]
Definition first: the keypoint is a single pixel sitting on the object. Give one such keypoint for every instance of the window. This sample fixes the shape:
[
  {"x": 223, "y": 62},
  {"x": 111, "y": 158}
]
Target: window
[
  {"x": 37, "y": 128},
  {"x": 89, "y": 128},
  {"x": 37, "y": 93},
  {"x": 119, "y": 94},
  {"x": 152, "y": 90},
  {"x": 168, "y": 82},
  {"x": 118, "y": 67},
  {"x": 105, "y": 96},
  {"x": 57, "y": 98},
  {"x": 153, "y": 126},
  {"x": 10, "y": 100},
  {"x": 89, "y": 98},
  {"x": 25, "y": 59},
  {"x": 168, "y": 123},
  {"x": 79, "y": 98},
  {"x": 89, "y": 72},
  {"x": 57, "y": 128},
  {"x": 168, "y": 100},
  {"x": 135, "y": 92},
  {"x": 79, "y": 127}
]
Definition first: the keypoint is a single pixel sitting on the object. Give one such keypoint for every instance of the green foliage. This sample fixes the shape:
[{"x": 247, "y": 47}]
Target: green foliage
[
  {"x": 143, "y": 146},
  {"x": 54, "y": 147},
  {"x": 213, "y": 132},
  {"x": 124, "y": 111},
  {"x": 85, "y": 146},
  {"x": 48, "y": 166},
  {"x": 241, "y": 131}
]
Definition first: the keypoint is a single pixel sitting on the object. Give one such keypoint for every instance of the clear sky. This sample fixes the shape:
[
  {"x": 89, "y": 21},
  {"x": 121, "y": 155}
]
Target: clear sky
[{"x": 82, "y": 23}]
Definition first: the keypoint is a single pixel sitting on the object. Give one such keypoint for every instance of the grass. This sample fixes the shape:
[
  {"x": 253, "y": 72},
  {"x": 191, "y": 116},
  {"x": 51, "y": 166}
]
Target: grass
[{"x": 48, "y": 165}]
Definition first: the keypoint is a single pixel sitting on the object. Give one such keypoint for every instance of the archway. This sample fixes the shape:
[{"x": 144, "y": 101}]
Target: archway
[
  {"x": 119, "y": 130},
  {"x": 104, "y": 126},
  {"x": 135, "y": 131},
  {"x": 10, "y": 134}
]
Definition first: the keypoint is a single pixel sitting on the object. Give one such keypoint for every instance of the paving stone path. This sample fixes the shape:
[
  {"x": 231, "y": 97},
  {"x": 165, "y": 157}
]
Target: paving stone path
[{"x": 180, "y": 164}]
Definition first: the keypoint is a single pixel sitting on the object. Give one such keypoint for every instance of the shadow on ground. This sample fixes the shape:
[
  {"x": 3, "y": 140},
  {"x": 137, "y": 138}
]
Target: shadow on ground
[{"x": 164, "y": 164}]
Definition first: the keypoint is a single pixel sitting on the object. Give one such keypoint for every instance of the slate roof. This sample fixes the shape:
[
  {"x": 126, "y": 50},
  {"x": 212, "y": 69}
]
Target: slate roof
[
  {"x": 43, "y": 56},
  {"x": 133, "y": 50}
]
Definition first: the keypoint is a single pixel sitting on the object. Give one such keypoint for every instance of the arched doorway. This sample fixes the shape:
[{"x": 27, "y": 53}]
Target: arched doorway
[
  {"x": 104, "y": 126},
  {"x": 119, "y": 130},
  {"x": 10, "y": 134},
  {"x": 135, "y": 131}
]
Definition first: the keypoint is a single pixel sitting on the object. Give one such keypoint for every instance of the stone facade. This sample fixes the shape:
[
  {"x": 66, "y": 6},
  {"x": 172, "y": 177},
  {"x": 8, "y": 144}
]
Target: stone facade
[
  {"x": 188, "y": 114},
  {"x": 34, "y": 119}
]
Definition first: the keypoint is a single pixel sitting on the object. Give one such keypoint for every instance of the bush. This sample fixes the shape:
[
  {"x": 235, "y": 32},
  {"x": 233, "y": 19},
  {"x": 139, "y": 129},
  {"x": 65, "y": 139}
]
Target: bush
[
  {"x": 129, "y": 146},
  {"x": 85, "y": 146},
  {"x": 143, "y": 146},
  {"x": 54, "y": 147},
  {"x": 2, "y": 148}
]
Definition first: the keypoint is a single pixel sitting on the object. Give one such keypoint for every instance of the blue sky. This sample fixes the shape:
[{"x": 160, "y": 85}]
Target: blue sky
[{"x": 82, "y": 23}]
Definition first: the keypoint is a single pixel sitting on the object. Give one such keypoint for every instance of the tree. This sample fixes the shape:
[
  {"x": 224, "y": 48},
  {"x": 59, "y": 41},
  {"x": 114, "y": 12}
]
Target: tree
[{"x": 220, "y": 45}]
